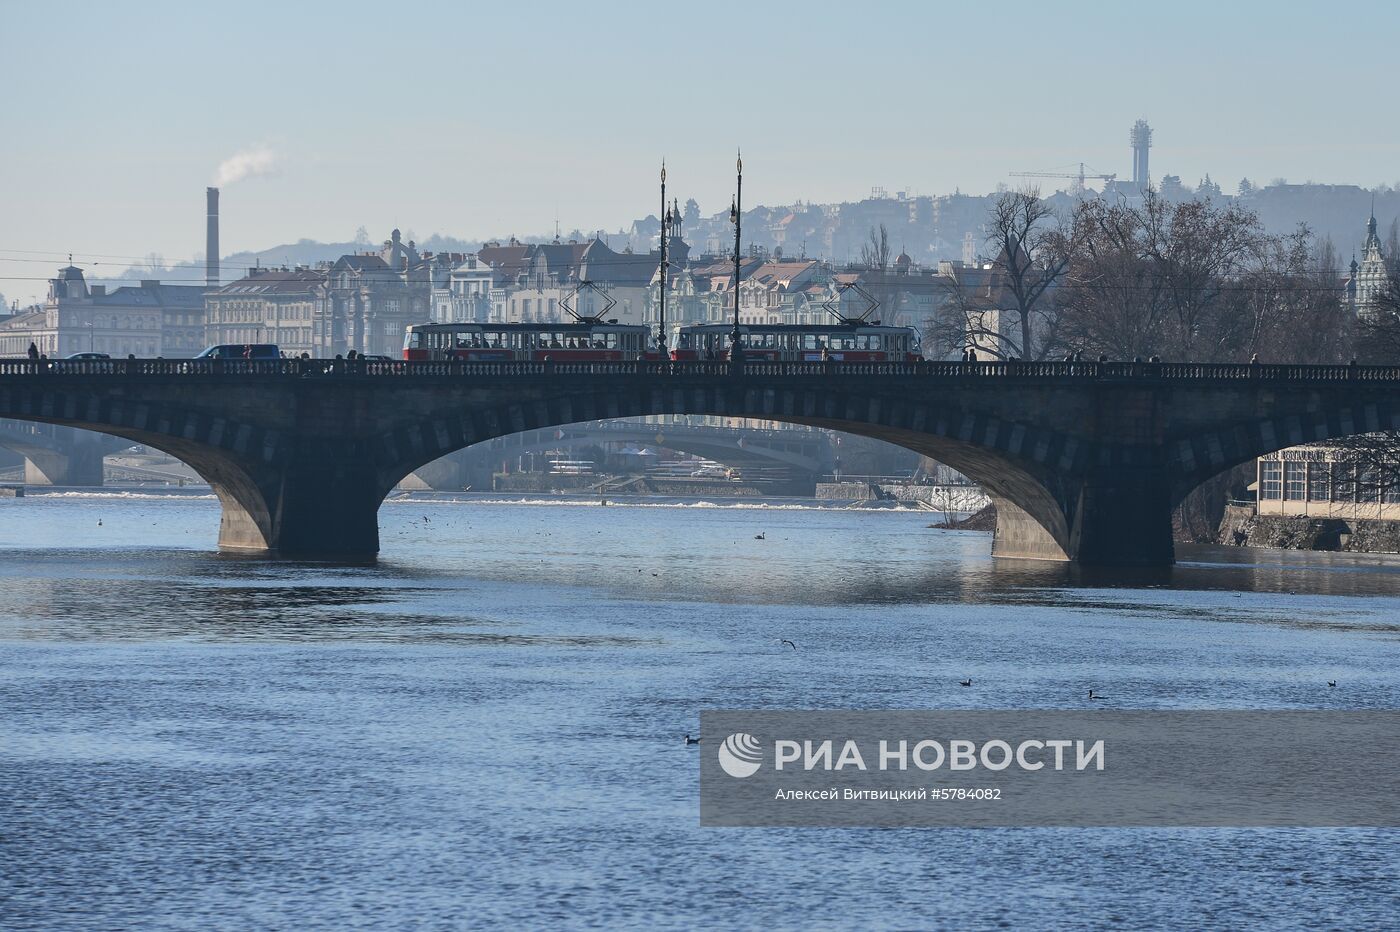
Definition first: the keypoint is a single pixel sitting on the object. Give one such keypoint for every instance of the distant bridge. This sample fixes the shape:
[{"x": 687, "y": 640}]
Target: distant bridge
[
  {"x": 55, "y": 455},
  {"x": 1084, "y": 461},
  {"x": 804, "y": 455}
]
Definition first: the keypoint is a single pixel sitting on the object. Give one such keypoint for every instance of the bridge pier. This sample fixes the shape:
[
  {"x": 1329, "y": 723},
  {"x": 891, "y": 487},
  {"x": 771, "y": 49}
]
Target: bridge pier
[
  {"x": 1018, "y": 535},
  {"x": 1124, "y": 518},
  {"x": 1119, "y": 517},
  {"x": 329, "y": 509}
]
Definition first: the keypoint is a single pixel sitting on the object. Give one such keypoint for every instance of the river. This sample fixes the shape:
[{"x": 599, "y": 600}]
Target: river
[{"x": 485, "y": 727}]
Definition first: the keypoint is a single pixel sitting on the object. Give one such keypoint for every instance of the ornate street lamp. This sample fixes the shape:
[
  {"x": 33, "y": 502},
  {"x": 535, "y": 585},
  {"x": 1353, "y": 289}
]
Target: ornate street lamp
[
  {"x": 665, "y": 267},
  {"x": 736, "y": 351}
]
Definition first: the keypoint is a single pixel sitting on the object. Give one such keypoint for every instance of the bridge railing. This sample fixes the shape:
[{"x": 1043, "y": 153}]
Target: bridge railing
[{"x": 935, "y": 369}]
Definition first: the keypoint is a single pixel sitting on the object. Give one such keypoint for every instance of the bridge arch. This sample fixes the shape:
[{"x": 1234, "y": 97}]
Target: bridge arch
[
  {"x": 1016, "y": 463},
  {"x": 244, "y": 462},
  {"x": 1202, "y": 455}
]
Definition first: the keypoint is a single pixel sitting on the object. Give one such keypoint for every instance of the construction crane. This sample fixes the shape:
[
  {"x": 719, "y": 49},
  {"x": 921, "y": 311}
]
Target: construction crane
[{"x": 1078, "y": 177}]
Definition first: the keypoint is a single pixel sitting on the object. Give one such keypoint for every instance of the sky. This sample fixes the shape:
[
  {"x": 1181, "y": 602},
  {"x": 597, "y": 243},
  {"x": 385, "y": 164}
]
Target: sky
[{"x": 486, "y": 120}]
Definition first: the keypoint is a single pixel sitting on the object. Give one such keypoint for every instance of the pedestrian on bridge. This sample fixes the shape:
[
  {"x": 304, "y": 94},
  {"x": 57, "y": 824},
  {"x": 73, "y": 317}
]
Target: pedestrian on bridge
[{"x": 33, "y": 353}]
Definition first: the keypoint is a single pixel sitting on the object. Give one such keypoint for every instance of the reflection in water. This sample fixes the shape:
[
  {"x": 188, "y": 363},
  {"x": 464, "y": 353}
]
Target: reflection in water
[{"x": 484, "y": 726}]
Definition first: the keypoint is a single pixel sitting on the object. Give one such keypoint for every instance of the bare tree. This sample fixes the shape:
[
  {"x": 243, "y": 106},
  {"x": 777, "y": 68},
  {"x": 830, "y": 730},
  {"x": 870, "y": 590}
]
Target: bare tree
[
  {"x": 1378, "y": 324},
  {"x": 1198, "y": 249},
  {"x": 1290, "y": 307},
  {"x": 1112, "y": 299},
  {"x": 875, "y": 254},
  {"x": 1005, "y": 309},
  {"x": 1032, "y": 249},
  {"x": 970, "y": 315},
  {"x": 1197, "y": 281},
  {"x": 1162, "y": 278}
]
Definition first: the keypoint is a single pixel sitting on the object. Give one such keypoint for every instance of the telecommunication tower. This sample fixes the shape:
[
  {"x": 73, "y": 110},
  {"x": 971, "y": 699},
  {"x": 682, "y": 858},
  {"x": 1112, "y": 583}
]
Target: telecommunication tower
[{"x": 1141, "y": 138}]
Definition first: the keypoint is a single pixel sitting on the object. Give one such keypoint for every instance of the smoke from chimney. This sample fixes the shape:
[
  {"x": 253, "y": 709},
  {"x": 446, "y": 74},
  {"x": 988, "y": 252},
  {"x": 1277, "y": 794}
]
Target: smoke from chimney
[{"x": 211, "y": 239}]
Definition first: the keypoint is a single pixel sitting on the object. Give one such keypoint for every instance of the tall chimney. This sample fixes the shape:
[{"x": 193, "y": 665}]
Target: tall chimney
[{"x": 211, "y": 240}]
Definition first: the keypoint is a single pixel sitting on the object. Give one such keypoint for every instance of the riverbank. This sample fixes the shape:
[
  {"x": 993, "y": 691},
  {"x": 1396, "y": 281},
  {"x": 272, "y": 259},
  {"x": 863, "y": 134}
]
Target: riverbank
[{"x": 1241, "y": 527}]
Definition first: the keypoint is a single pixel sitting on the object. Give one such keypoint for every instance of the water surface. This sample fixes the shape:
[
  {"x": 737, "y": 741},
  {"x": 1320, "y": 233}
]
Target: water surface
[{"x": 485, "y": 725}]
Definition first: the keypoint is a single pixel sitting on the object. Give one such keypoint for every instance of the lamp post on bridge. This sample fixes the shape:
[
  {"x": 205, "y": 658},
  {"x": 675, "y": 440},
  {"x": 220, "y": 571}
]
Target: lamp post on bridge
[
  {"x": 736, "y": 350},
  {"x": 665, "y": 267}
]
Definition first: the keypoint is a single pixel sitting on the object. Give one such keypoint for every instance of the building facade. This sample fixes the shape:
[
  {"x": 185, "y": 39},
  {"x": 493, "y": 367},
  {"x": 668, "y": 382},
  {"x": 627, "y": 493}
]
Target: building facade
[
  {"x": 364, "y": 302},
  {"x": 1318, "y": 481},
  {"x": 1321, "y": 481},
  {"x": 266, "y": 306},
  {"x": 146, "y": 320},
  {"x": 1369, "y": 276}
]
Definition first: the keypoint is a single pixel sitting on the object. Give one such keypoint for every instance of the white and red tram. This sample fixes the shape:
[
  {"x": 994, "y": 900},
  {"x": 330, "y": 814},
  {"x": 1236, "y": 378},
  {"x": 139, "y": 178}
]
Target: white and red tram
[
  {"x": 583, "y": 341},
  {"x": 844, "y": 342}
]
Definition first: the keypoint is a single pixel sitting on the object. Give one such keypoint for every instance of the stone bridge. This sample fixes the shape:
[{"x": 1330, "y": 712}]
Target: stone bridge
[
  {"x": 55, "y": 455},
  {"x": 1084, "y": 461}
]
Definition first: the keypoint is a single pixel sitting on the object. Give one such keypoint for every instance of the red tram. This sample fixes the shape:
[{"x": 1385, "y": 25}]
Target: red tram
[
  {"x": 844, "y": 342},
  {"x": 581, "y": 341}
]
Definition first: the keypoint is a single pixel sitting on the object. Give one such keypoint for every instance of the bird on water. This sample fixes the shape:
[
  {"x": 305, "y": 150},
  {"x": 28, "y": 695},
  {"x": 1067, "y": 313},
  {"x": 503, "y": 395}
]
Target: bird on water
[
  {"x": 788, "y": 643},
  {"x": 689, "y": 740},
  {"x": 966, "y": 682}
]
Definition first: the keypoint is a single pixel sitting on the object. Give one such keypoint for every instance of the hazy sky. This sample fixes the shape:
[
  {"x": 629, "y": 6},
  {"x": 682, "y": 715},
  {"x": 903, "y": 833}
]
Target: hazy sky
[{"x": 486, "y": 120}]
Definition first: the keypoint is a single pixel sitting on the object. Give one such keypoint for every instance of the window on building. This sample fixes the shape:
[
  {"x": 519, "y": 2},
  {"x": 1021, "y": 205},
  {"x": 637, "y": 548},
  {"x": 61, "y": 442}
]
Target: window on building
[
  {"x": 1270, "y": 481},
  {"x": 1343, "y": 482},
  {"x": 1320, "y": 481},
  {"x": 1295, "y": 481},
  {"x": 1368, "y": 485}
]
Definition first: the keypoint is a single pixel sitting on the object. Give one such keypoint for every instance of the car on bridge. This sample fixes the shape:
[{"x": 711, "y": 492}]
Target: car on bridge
[
  {"x": 66, "y": 363},
  {"x": 259, "y": 351}
]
